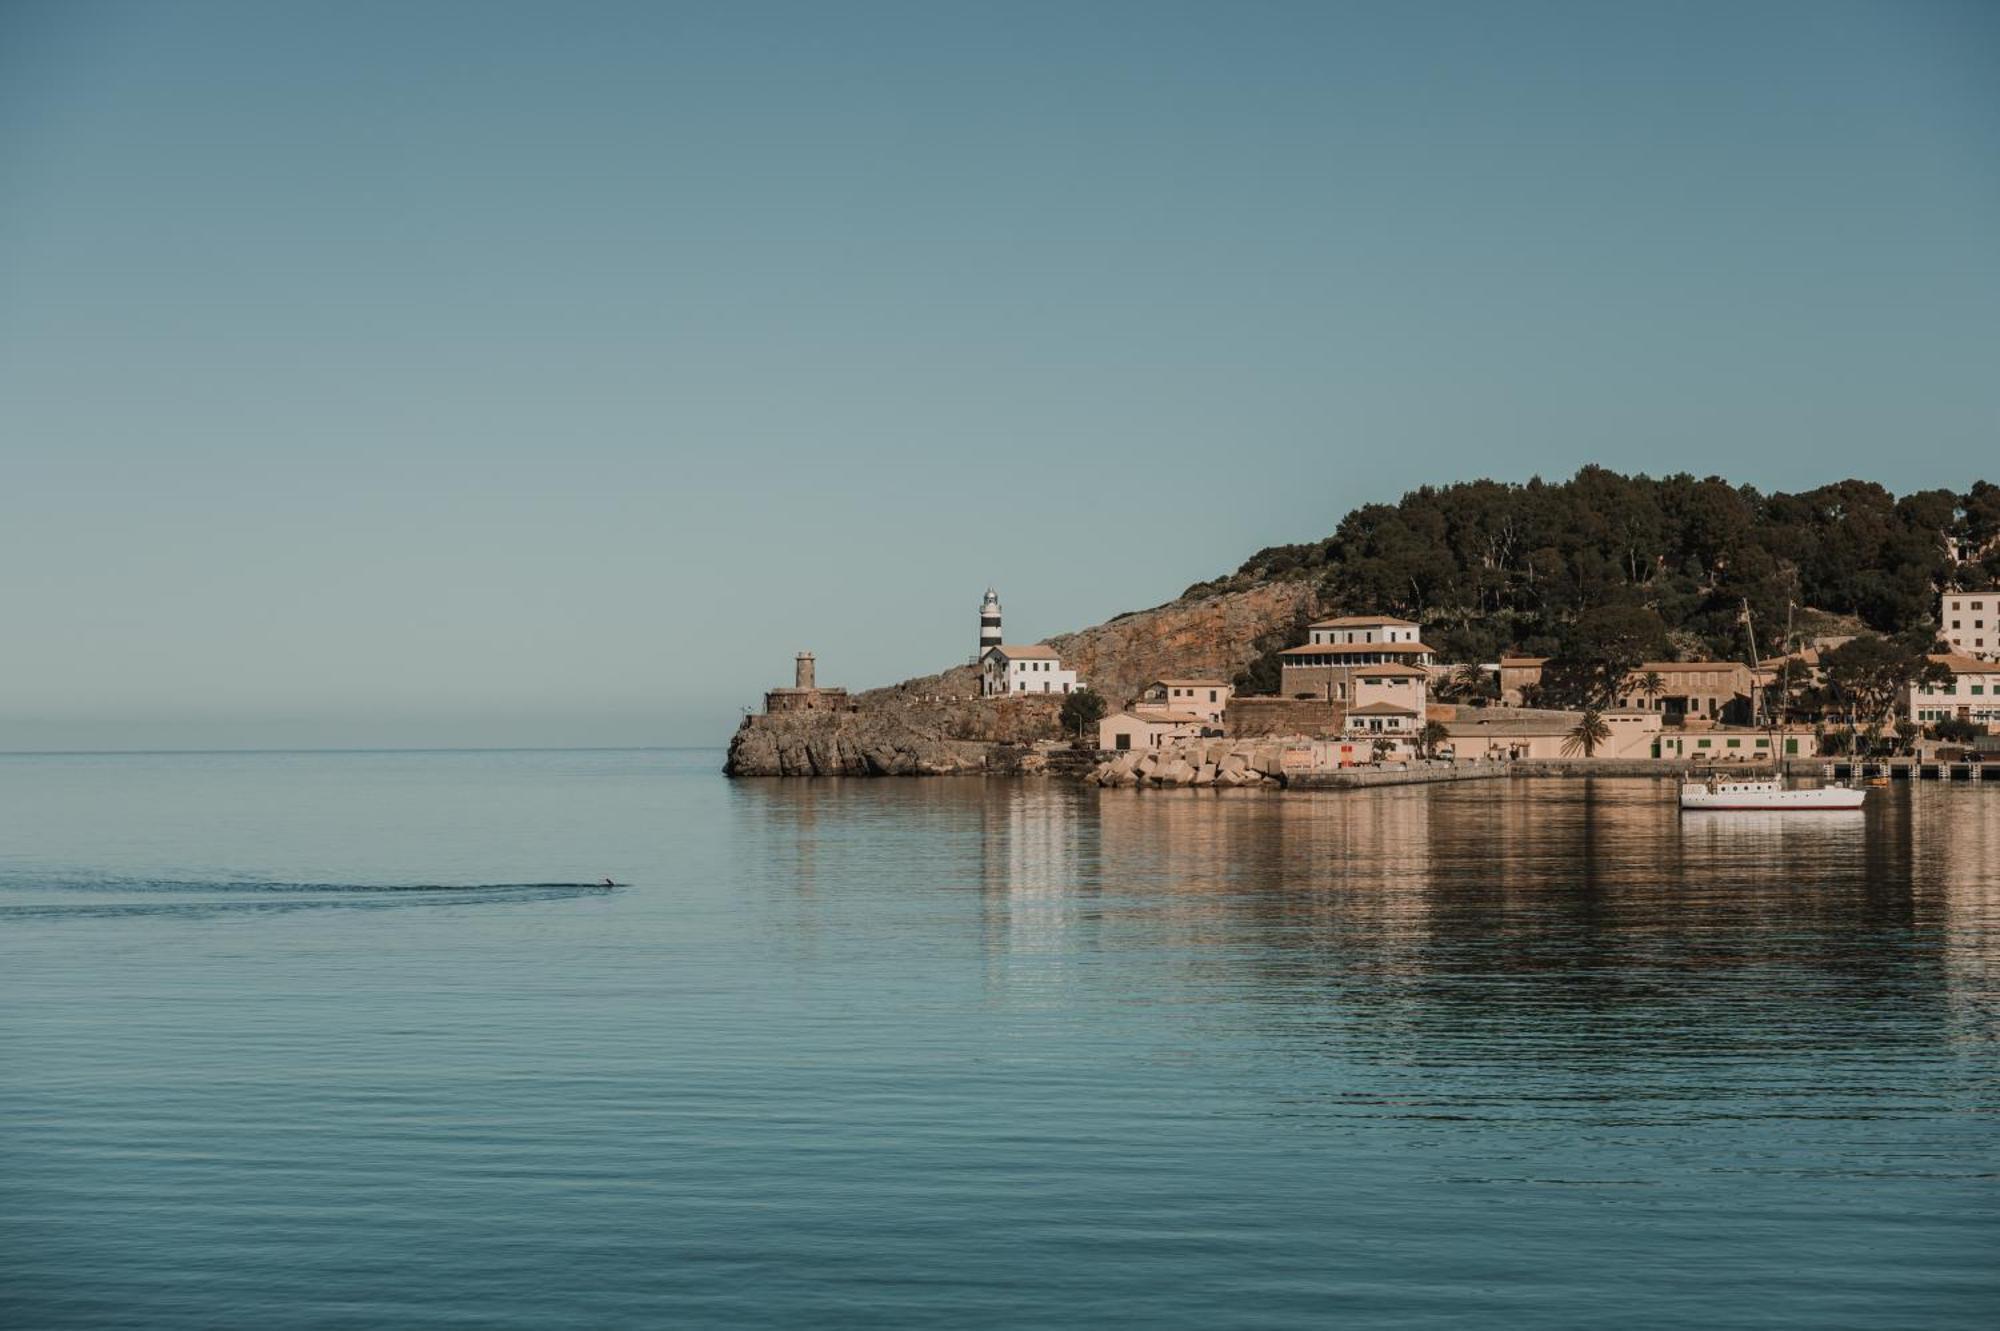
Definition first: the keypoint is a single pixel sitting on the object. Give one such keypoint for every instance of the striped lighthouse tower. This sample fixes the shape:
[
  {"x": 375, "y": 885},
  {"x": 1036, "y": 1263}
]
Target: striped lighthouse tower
[{"x": 989, "y": 622}]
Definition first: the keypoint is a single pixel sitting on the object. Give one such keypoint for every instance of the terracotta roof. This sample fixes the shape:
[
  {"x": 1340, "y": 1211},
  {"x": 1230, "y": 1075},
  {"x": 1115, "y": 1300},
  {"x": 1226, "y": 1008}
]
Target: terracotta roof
[
  {"x": 1392, "y": 672},
  {"x": 1356, "y": 648},
  {"x": 1381, "y": 709},
  {"x": 1161, "y": 718},
  {"x": 1036, "y": 652},
  {"x": 1967, "y": 665},
  {"x": 1192, "y": 683},
  {"x": 1362, "y": 621},
  {"x": 1515, "y": 662},
  {"x": 1682, "y": 667}
]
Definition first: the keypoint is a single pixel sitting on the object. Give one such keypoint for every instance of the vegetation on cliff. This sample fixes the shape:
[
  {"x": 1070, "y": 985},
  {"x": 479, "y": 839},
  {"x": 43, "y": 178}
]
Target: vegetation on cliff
[{"x": 1664, "y": 563}]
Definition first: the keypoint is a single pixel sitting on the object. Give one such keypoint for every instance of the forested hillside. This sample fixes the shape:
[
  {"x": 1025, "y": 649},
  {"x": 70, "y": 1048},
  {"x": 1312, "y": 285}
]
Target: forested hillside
[{"x": 1489, "y": 567}]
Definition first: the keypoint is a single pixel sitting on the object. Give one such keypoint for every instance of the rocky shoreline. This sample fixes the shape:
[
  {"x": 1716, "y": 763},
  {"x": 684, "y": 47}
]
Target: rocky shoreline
[{"x": 1213, "y": 762}]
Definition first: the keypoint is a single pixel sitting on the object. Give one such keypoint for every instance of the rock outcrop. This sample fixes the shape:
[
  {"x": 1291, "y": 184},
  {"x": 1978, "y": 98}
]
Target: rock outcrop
[
  {"x": 937, "y": 724},
  {"x": 1203, "y": 636},
  {"x": 870, "y": 743}
]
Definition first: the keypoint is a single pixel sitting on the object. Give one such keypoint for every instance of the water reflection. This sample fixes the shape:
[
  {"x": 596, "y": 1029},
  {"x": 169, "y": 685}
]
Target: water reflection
[{"x": 1547, "y": 919}]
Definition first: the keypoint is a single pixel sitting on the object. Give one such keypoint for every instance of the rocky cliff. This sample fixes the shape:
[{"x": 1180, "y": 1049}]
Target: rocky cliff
[
  {"x": 936, "y": 724},
  {"x": 1202, "y": 636},
  {"x": 874, "y": 743}
]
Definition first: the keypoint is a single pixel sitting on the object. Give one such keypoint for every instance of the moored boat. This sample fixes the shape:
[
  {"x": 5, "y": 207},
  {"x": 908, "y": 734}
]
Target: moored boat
[{"x": 1768, "y": 795}]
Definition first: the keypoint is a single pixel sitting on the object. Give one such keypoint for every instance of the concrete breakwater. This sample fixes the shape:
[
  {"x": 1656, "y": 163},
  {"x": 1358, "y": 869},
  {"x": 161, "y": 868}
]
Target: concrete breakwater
[
  {"x": 1258, "y": 762},
  {"x": 1214, "y": 762}
]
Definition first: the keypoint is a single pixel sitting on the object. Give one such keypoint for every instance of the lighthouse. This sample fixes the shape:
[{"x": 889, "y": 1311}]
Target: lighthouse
[{"x": 989, "y": 622}]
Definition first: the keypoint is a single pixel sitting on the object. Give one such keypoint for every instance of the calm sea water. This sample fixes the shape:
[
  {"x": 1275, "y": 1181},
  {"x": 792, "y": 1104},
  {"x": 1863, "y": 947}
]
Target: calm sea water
[{"x": 343, "y": 1040}]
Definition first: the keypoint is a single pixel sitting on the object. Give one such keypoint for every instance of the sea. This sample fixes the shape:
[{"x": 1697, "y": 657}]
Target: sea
[{"x": 360, "y": 1040}]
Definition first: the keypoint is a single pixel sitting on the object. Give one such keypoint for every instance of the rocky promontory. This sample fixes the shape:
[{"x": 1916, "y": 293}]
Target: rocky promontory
[
  {"x": 937, "y": 724},
  {"x": 871, "y": 743}
]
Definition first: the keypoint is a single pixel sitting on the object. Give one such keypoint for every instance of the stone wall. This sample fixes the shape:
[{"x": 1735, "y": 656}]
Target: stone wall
[{"x": 1253, "y": 717}]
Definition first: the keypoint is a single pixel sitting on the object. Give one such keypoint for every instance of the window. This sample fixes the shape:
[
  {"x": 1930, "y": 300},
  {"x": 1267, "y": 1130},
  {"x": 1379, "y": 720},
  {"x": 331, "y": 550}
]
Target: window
[
  {"x": 1735, "y": 743},
  {"x": 1211, "y": 695},
  {"x": 1121, "y": 741},
  {"x": 1701, "y": 744}
]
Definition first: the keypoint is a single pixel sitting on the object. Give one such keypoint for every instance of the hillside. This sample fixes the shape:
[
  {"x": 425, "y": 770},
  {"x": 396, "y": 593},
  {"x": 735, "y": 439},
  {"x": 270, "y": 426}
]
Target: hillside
[
  {"x": 1488, "y": 567},
  {"x": 1601, "y": 564}
]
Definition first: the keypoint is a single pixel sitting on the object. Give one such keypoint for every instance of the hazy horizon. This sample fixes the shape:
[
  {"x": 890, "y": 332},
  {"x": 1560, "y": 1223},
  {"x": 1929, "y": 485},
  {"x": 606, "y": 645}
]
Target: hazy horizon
[{"x": 495, "y": 375}]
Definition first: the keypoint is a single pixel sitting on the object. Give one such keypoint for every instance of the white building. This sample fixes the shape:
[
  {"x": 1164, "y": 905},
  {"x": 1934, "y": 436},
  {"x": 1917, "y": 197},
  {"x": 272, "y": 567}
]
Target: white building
[
  {"x": 1206, "y": 698},
  {"x": 1970, "y": 623},
  {"x": 1972, "y": 695},
  {"x": 1146, "y": 730},
  {"x": 1006, "y": 671},
  {"x": 1355, "y": 630}
]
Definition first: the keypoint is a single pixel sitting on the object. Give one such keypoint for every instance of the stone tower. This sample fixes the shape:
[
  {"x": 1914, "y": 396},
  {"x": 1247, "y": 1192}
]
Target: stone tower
[
  {"x": 803, "y": 672},
  {"x": 989, "y": 621}
]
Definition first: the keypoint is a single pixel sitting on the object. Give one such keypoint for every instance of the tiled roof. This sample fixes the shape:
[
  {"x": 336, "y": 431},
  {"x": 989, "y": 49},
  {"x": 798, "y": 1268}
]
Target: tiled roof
[
  {"x": 1036, "y": 652},
  {"x": 1683, "y": 667},
  {"x": 1362, "y": 621},
  {"x": 1967, "y": 665},
  {"x": 1392, "y": 672},
  {"x": 1380, "y": 709}
]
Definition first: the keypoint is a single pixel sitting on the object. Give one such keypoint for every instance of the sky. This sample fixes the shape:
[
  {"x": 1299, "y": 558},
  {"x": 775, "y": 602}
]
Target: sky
[{"x": 377, "y": 374}]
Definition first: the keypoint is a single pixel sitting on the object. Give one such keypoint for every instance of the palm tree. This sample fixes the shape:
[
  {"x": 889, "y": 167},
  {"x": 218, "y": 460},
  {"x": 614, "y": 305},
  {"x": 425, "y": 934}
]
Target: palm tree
[
  {"x": 1383, "y": 747},
  {"x": 1589, "y": 732},
  {"x": 1469, "y": 682},
  {"x": 1651, "y": 686},
  {"x": 1431, "y": 738}
]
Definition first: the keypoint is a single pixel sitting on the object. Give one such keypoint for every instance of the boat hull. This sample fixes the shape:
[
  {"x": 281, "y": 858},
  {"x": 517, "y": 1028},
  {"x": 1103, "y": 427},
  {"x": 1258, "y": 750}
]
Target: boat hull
[{"x": 1818, "y": 800}]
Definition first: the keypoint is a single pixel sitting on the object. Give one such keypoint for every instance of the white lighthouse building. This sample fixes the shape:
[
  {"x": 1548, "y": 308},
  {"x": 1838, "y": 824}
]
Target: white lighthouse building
[{"x": 989, "y": 623}]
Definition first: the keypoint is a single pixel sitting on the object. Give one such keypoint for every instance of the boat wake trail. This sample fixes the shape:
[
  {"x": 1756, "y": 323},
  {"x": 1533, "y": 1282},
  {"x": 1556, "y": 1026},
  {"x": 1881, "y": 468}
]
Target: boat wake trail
[{"x": 64, "y": 895}]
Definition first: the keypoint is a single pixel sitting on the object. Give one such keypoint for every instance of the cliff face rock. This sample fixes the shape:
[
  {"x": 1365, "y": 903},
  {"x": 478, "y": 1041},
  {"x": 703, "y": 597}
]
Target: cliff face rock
[
  {"x": 937, "y": 724},
  {"x": 876, "y": 743},
  {"x": 1209, "y": 636}
]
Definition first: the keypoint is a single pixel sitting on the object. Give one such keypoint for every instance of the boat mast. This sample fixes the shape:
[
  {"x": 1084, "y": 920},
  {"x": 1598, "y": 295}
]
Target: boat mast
[{"x": 1751, "y": 629}]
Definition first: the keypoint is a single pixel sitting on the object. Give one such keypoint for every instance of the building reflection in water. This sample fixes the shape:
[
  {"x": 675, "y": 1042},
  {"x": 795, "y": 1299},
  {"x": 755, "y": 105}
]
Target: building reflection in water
[{"x": 1558, "y": 920}]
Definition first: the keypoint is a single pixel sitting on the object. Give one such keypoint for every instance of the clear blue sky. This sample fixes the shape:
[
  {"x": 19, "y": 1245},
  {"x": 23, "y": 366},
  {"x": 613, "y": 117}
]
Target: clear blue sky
[{"x": 549, "y": 373}]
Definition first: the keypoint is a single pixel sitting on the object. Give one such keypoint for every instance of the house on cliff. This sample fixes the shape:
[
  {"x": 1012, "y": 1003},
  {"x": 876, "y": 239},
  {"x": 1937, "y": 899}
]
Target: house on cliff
[
  {"x": 1206, "y": 698},
  {"x": 1325, "y": 666},
  {"x": 1006, "y": 671}
]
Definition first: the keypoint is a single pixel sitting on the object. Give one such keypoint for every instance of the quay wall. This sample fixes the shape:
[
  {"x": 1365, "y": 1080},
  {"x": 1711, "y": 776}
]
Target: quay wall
[{"x": 1363, "y": 778}]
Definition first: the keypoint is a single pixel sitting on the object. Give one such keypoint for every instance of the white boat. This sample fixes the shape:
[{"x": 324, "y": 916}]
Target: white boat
[{"x": 1769, "y": 795}]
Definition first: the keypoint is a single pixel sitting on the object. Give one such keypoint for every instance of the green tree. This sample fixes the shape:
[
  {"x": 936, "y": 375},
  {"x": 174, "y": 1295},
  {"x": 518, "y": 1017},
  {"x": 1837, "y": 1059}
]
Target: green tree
[
  {"x": 1651, "y": 685},
  {"x": 1958, "y": 730},
  {"x": 1382, "y": 747},
  {"x": 1587, "y": 734},
  {"x": 1081, "y": 709},
  {"x": 1433, "y": 736},
  {"x": 1469, "y": 683},
  {"x": 1868, "y": 677},
  {"x": 1599, "y": 654}
]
